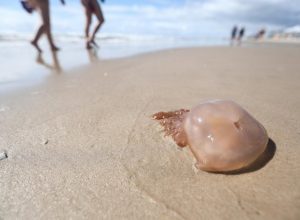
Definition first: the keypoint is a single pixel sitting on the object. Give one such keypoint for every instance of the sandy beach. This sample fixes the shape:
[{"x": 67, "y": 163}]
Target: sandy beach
[{"x": 82, "y": 145}]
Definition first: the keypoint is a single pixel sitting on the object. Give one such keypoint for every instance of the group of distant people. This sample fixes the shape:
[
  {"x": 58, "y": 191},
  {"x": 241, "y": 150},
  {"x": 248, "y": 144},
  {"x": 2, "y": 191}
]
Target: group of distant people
[
  {"x": 91, "y": 7},
  {"x": 237, "y": 35}
]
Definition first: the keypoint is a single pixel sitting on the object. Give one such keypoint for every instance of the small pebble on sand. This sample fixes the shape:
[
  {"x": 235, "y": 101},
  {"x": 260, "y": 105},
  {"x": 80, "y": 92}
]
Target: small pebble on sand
[{"x": 3, "y": 155}]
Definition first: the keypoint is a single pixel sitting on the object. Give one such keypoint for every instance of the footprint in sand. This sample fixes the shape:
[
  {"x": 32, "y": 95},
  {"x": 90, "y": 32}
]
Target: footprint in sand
[{"x": 4, "y": 108}]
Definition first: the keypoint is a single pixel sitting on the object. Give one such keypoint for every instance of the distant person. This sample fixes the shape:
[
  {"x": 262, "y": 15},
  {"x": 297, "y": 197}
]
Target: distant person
[
  {"x": 92, "y": 7},
  {"x": 241, "y": 35},
  {"x": 45, "y": 28},
  {"x": 260, "y": 34},
  {"x": 233, "y": 34}
]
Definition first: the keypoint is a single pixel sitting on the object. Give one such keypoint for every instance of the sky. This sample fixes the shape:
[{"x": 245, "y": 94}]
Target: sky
[{"x": 175, "y": 18}]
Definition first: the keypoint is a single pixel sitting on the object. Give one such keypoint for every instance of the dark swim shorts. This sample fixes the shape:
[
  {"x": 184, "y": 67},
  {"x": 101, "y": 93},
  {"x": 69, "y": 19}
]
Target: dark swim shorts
[{"x": 27, "y": 6}]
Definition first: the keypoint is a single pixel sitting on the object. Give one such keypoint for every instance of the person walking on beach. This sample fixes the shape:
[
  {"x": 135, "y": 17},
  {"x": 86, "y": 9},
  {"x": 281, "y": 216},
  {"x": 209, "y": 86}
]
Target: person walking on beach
[
  {"x": 45, "y": 28},
  {"x": 92, "y": 7},
  {"x": 241, "y": 35},
  {"x": 260, "y": 34},
  {"x": 233, "y": 34}
]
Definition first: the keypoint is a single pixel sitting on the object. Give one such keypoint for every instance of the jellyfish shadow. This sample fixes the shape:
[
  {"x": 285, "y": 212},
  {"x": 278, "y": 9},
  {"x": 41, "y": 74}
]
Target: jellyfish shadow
[
  {"x": 56, "y": 67},
  {"x": 259, "y": 163}
]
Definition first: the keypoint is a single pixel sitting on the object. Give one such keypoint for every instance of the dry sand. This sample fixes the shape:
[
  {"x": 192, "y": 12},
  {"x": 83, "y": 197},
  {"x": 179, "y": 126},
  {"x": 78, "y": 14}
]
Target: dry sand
[{"x": 83, "y": 145}]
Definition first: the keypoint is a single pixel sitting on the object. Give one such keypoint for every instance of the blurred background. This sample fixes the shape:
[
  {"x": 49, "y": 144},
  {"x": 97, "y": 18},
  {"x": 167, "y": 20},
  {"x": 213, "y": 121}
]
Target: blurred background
[
  {"x": 137, "y": 26},
  {"x": 190, "y": 20},
  {"x": 209, "y": 20}
]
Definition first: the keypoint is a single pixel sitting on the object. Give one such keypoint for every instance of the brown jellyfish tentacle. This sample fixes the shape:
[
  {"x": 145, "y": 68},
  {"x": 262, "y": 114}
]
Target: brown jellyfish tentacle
[{"x": 172, "y": 123}]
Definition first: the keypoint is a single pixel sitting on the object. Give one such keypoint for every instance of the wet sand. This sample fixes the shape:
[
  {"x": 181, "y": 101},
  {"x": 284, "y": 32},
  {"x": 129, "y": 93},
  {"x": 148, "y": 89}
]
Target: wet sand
[
  {"x": 83, "y": 145},
  {"x": 22, "y": 65}
]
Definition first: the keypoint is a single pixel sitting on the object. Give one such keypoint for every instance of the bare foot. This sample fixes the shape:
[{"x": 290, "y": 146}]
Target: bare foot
[
  {"x": 55, "y": 48},
  {"x": 33, "y": 43},
  {"x": 94, "y": 43}
]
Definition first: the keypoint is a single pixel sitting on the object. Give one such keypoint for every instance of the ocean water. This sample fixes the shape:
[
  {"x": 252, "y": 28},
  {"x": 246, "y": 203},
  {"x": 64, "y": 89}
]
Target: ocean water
[{"x": 21, "y": 64}]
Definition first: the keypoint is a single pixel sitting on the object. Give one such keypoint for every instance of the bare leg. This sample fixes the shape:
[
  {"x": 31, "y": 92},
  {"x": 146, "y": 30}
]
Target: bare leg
[
  {"x": 46, "y": 21},
  {"x": 100, "y": 17},
  {"x": 39, "y": 33},
  {"x": 88, "y": 14}
]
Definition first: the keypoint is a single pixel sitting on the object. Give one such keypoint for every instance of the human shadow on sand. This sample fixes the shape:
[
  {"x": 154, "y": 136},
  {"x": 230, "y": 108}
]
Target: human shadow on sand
[
  {"x": 93, "y": 55},
  {"x": 55, "y": 66},
  {"x": 259, "y": 163}
]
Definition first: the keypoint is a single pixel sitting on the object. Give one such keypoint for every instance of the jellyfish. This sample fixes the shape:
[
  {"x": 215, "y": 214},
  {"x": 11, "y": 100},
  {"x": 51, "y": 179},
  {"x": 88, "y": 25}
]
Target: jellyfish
[{"x": 221, "y": 135}]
